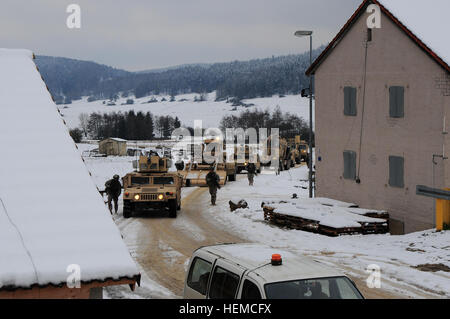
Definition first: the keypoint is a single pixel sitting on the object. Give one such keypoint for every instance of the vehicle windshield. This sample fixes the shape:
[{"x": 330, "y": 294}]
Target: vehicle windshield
[
  {"x": 320, "y": 288},
  {"x": 303, "y": 147},
  {"x": 163, "y": 180},
  {"x": 139, "y": 180}
]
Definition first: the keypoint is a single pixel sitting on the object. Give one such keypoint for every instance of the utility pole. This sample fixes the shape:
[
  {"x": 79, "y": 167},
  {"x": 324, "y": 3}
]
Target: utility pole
[{"x": 302, "y": 34}]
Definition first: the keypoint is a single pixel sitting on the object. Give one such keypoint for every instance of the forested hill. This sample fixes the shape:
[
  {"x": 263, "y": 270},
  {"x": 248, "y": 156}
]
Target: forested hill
[{"x": 70, "y": 79}]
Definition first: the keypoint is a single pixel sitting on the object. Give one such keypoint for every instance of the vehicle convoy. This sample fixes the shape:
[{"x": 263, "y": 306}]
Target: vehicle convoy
[
  {"x": 299, "y": 148},
  {"x": 242, "y": 166},
  {"x": 284, "y": 154},
  {"x": 152, "y": 187},
  {"x": 253, "y": 271},
  {"x": 194, "y": 173}
]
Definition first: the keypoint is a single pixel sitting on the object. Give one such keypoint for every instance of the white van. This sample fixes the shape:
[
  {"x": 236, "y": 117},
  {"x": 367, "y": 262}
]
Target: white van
[{"x": 253, "y": 271}]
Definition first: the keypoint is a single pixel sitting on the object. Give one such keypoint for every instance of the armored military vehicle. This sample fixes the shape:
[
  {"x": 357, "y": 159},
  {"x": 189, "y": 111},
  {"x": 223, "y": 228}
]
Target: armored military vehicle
[
  {"x": 241, "y": 166},
  {"x": 194, "y": 173},
  {"x": 152, "y": 187}
]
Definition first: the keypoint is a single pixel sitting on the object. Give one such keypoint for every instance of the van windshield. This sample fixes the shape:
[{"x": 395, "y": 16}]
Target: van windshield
[{"x": 320, "y": 288}]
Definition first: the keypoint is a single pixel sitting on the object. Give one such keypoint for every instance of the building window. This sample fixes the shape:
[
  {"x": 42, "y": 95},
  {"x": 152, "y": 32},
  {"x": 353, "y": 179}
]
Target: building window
[
  {"x": 396, "y": 171},
  {"x": 397, "y": 101},
  {"x": 349, "y": 165},
  {"x": 349, "y": 101}
]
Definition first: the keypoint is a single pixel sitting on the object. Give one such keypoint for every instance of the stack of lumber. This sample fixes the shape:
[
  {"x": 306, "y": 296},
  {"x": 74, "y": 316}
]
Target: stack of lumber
[{"x": 325, "y": 216}]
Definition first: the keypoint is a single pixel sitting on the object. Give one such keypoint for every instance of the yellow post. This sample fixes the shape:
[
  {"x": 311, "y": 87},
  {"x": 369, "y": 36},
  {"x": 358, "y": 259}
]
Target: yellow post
[
  {"x": 442, "y": 213},
  {"x": 446, "y": 212},
  {"x": 440, "y": 207}
]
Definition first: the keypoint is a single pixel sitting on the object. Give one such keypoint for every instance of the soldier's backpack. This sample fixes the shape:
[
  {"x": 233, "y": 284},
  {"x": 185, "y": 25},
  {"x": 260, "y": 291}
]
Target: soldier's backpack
[{"x": 211, "y": 179}]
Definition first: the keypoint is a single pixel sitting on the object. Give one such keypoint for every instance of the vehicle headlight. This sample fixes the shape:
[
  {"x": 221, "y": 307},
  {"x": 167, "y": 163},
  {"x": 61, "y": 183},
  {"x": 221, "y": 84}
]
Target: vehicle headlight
[
  {"x": 136, "y": 197},
  {"x": 160, "y": 196}
]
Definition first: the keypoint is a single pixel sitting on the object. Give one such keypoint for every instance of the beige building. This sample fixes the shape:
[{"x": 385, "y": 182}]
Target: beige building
[
  {"x": 113, "y": 147},
  {"x": 381, "y": 129}
]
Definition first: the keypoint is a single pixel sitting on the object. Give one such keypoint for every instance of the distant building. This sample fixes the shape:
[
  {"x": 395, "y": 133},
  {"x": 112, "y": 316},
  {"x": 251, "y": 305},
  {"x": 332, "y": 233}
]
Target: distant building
[
  {"x": 382, "y": 130},
  {"x": 113, "y": 147},
  {"x": 55, "y": 231}
]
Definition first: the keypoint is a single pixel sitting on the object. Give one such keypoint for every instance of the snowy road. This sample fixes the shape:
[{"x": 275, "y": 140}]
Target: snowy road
[{"x": 162, "y": 246}]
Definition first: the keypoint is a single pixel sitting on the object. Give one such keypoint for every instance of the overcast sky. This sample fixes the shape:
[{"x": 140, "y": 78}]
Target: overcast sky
[{"x": 145, "y": 34}]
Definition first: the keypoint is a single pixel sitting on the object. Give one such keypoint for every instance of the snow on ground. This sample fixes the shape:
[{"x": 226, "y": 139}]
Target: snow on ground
[
  {"x": 102, "y": 169},
  {"x": 396, "y": 255},
  {"x": 210, "y": 112}
]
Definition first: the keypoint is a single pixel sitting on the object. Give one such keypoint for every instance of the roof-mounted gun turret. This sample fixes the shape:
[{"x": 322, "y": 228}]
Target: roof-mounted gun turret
[{"x": 152, "y": 164}]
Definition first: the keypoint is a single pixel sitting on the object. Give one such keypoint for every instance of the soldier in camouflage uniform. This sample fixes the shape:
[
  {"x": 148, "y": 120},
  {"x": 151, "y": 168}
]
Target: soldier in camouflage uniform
[
  {"x": 212, "y": 180},
  {"x": 113, "y": 188},
  {"x": 251, "y": 172}
]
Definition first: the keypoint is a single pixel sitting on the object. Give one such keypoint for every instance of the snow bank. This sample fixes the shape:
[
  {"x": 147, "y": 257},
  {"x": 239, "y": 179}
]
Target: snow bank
[{"x": 52, "y": 214}]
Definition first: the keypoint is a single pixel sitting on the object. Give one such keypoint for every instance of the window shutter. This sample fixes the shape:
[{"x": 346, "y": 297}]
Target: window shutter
[
  {"x": 396, "y": 171},
  {"x": 349, "y": 101},
  {"x": 397, "y": 101},
  {"x": 349, "y": 165}
]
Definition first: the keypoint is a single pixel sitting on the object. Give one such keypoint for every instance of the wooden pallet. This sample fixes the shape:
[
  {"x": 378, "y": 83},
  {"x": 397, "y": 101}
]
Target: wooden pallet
[{"x": 299, "y": 223}]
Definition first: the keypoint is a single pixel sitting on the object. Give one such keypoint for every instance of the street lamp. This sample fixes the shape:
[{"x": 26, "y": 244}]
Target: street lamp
[{"x": 301, "y": 34}]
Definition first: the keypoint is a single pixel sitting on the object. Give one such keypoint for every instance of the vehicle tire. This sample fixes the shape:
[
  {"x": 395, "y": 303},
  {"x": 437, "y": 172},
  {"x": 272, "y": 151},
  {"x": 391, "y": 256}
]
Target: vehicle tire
[
  {"x": 126, "y": 210},
  {"x": 172, "y": 208},
  {"x": 179, "y": 206},
  {"x": 126, "y": 214},
  {"x": 232, "y": 178},
  {"x": 287, "y": 166},
  {"x": 259, "y": 170}
]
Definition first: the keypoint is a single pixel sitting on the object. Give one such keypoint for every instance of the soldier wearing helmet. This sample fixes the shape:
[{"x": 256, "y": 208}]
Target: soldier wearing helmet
[
  {"x": 113, "y": 189},
  {"x": 212, "y": 180}
]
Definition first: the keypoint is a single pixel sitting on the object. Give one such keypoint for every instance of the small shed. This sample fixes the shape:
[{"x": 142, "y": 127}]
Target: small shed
[{"x": 113, "y": 146}]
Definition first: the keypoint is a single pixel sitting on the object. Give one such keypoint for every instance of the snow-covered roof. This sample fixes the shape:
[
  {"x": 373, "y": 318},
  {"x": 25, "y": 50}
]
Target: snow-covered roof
[
  {"x": 51, "y": 214},
  {"x": 428, "y": 20},
  {"x": 117, "y": 139},
  {"x": 425, "y": 22}
]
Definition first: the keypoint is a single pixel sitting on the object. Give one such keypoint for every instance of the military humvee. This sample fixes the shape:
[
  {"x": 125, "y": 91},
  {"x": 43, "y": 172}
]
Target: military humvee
[
  {"x": 247, "y": 160},
  {"x": 152, "y": 186},
  {"x": 194, "y": 174}
]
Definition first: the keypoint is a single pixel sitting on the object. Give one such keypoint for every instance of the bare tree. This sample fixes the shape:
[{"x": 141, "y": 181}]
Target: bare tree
[{"x": 84, "y": 122}]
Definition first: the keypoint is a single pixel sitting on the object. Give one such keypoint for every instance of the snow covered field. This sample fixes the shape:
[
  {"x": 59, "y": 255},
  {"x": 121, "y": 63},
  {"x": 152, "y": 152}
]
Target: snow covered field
[{"x": 210, "y": 112}]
